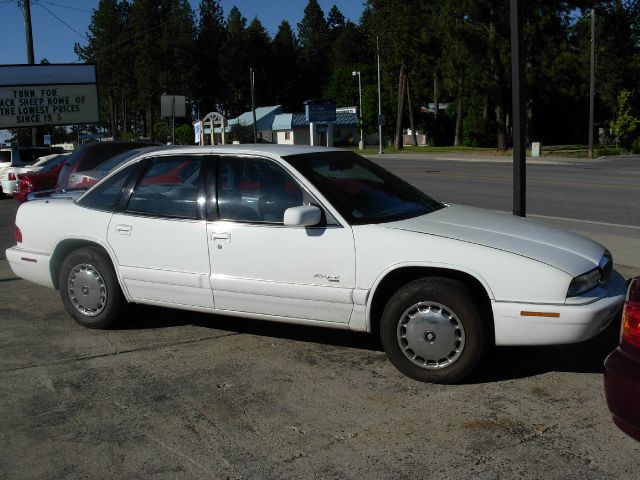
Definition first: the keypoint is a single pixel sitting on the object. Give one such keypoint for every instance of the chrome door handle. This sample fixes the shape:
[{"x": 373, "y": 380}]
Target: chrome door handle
[
  {"x": 123, "y": 229},
  {"x": 221, "y": 237}
]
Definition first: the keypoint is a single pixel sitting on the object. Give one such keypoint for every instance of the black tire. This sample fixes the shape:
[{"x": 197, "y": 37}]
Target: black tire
[
  {"x": 89, "y": 288},
  {"x": 441, "y": 338}
]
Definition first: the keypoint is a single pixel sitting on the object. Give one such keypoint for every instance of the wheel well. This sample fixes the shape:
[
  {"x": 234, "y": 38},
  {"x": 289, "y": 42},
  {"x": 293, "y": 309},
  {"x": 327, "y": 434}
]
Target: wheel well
[
  {"x": 397, "y": 278},
  {"x": 63, "y": 249}
]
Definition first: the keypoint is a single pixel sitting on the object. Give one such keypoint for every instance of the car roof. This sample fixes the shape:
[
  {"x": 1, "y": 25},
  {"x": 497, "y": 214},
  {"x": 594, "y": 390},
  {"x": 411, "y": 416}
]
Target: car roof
[{"x": 250, "y": 148}]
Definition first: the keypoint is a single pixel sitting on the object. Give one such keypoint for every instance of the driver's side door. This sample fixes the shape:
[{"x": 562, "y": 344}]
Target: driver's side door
[{"x": 261, "y": 266}]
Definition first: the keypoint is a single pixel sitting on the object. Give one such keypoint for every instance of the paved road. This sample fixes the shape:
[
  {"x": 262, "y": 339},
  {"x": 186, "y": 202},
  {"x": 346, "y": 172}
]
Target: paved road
[{"x": 605, "y": 190}]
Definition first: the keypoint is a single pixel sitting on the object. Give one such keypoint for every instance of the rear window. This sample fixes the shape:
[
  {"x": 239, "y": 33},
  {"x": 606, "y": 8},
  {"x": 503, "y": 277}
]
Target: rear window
[{"x": 102, "y": 153}]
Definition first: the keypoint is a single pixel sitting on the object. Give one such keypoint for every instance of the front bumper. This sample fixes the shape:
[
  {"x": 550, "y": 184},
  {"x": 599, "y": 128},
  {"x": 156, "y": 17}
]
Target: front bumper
[
  {"x": 622, "y": 390},
  {"x": 573, "y": 323}
]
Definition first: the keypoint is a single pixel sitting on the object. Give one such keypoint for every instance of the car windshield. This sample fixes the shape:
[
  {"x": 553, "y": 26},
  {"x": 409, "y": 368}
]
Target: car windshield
[{"x": 360, "y": 190}]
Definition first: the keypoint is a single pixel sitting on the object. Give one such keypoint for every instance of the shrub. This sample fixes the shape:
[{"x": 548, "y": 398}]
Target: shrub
[
  {"x": 478, "y": 132},
  {"x": 635, "y": 148},
  {"x": 606, "y": 151}
]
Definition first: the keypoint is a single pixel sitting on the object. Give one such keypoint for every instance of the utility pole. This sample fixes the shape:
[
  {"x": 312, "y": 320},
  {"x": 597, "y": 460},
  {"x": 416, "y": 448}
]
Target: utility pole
[
  {"x": 26, "y": 5},
  {"x": 379, "y": 102},
  {"x": 517, "y": 98},
  {"x": 592, "y": 80},
  {"x": 361, "y": 142},
  {"x": 252, "y": 75},
  {"x": 402, "y": 86}
]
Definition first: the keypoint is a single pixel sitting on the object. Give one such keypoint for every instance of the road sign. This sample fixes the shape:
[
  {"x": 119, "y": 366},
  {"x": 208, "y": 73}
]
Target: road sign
[
  {"x": 197, "y": 128},
  {"x": 318, "y": 111},
  {"x": 173, "y": 106},
  {"x": 381, "y": 120},
  {"x": 47, "y": 140}
]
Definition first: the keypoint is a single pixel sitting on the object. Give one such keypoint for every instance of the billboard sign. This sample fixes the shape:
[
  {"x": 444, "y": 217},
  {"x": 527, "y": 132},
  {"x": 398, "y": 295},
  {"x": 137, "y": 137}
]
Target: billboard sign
[
  {"x": 316, "y": 111},
  {"x": 45, "y": 95}
]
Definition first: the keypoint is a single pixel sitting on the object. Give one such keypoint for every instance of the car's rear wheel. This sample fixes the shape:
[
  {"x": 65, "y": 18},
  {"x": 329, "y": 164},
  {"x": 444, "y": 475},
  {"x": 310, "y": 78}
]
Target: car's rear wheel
[
  {"x": 432, "y": 331},
  {"x": 89, "y": 288}
]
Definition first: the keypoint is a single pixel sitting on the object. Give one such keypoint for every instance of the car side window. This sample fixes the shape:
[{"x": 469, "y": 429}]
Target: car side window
[
  {"x": 106, "y": 195},
  {"x": 169, "y": 187},
  {"x": 255, "y": 190}
]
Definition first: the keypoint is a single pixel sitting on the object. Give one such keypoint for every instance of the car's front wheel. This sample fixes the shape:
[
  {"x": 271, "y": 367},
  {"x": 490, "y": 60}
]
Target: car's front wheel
[
  {"x": 89, "y": 288},
  {"x": 432, "y": 331}
]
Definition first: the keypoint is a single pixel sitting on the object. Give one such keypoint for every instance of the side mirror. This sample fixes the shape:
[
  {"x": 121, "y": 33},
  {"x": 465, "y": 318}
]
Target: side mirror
[{"x": 303, "y": 216}]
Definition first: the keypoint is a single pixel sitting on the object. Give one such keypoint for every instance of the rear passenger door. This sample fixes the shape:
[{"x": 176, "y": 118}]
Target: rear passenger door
[{"x": 159, "y": 234}]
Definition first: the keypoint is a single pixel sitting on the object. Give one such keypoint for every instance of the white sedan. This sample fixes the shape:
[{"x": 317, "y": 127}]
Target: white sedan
[{"x": 321, "y": 237}]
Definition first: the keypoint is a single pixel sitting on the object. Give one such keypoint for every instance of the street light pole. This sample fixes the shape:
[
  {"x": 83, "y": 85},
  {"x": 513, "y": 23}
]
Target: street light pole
[
  {"x": 361, "y": 142},
  {"x": 379, "y": 102}
]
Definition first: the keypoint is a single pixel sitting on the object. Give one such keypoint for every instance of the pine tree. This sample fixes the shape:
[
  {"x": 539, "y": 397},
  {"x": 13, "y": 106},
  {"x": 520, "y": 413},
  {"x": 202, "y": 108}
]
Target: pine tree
[
  {"x": 313, "y": 37},
  {"x": 285, "y": 72},
  {"x": 234, "y": 65},
  {"x": 209, "y": 41}
]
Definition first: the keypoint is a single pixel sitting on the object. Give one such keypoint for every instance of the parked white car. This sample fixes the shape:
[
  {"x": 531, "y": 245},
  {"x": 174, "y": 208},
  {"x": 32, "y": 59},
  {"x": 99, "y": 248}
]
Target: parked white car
[{"x": 322, "y": 237}]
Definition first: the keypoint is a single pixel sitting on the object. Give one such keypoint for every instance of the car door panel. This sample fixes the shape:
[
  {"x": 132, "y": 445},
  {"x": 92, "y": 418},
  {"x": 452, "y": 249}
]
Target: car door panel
[{"x": 283, "y": 271}]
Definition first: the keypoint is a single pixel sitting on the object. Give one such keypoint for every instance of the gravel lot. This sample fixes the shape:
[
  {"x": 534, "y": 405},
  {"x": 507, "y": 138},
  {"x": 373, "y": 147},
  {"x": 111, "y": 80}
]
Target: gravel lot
[{"x": 174, "y": 394}]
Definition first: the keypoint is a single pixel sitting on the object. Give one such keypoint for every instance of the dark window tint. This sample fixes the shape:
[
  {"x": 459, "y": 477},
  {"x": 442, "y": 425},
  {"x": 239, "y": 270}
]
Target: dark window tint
[
  {"x": 255, "y": 190},
  {"x": 52, "y": 163},
  {"x": 90, "y": 156},
  {"x": 360, "y": 190},
  {"x": 5, "y": 156},
  {"x": 30, "y": 155},
  {"x": 169, "y": 187},
  {"x": 106, "y": 195}
]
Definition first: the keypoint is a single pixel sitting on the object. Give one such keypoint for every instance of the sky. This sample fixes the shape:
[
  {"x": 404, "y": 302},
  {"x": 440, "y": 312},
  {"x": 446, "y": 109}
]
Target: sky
[{"x": 54, "y": 38}]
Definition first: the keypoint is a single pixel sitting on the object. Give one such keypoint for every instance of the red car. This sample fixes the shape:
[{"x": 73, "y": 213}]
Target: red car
[
  {"x": 43, "y": 179},
  {"x": 622, "y": 368}
]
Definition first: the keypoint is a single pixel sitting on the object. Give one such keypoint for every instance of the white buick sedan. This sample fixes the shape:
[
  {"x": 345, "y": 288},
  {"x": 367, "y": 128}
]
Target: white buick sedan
[{"x": 316, "y": 236}]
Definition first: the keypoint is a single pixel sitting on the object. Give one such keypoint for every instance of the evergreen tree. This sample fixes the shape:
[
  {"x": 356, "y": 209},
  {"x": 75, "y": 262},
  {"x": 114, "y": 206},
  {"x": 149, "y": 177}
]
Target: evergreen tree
[
  {"x": 287, "y": 89},
  {"x": 259, "y": 58},
  {"x": 106, "y": 30},
  {"x": 209, "y": 41},
  {"x": 313, "y": 37},
  {"x": 234, "y": 65}
]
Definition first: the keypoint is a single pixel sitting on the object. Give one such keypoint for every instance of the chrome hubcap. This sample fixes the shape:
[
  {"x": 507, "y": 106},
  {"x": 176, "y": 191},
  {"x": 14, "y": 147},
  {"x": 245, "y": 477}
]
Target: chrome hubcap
[
  {"x": 87, "y": 290},
  {"x": 430, "y": 335}
]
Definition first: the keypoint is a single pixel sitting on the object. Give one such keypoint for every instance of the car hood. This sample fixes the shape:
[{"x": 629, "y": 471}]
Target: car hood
[{"x": 567, "y": 251}]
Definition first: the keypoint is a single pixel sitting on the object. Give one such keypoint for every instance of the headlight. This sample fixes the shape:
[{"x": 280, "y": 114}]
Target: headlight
[
  {"x": 593, "y": 278},
  {"x": 584, "y": 282}
]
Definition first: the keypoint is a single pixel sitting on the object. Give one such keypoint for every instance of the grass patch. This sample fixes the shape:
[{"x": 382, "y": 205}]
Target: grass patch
[{"x": 371, "y": 150}]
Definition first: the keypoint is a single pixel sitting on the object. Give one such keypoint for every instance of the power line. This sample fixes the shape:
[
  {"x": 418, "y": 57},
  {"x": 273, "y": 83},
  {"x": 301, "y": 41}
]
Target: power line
[
  {"x": 64, "y": 6},
  {"x": 63, "y": 22}
]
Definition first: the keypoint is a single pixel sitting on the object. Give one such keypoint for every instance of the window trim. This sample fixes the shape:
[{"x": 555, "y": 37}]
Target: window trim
[
  {"x": 214, "y": 216},
  {"x": 142, "y": 168}
]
